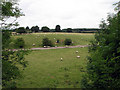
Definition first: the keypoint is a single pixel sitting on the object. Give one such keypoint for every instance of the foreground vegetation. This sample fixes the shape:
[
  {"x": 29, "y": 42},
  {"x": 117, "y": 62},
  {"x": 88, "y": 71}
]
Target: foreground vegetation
[
  {"x": 103, "y": 68},
  {"x": 47, "y": 70}
]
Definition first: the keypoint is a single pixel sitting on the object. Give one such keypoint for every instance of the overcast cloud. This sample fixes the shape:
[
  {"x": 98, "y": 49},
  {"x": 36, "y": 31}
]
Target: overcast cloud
[{"x": 66, "y": 13}]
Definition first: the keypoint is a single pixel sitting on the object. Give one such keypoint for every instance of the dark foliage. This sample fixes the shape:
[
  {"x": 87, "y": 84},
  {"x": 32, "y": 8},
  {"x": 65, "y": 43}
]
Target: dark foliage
[
  {"x": 103, "y": 68},
  {"x": 58, "y": 28},
  {"x": 68, "y": 42},
  {"x": 35, "y": 29},
  {"x": 5, "y": 38},
  {"x": 21, "y": 30},
  {"x": 69, "y": 29},
  {"x": 19, "y": 43},
  {"x": 58, "y": 41},
  {"x": 47, "y": 42},
  {"x": 45, "y": 29}
]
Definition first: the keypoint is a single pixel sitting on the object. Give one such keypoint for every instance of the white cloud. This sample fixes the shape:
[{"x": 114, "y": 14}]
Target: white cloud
[{"x": 67, "y": 13}]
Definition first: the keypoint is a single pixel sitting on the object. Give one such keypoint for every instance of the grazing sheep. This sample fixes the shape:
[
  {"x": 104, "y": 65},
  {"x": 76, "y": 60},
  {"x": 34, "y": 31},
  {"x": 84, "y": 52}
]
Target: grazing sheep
[
  {"x": 45, "y": 46},
  {"x": 76, "y": 51},
  {"x": 33, "y": 44},
  {"x": 82, "y": 46},
  {"x": 78, "y": 56},
  {"x": 61, "y": 59},
  {"x": 66, "y": 46}
]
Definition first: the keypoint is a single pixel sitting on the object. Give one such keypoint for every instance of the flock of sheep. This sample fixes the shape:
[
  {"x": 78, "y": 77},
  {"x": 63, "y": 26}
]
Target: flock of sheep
[{"x": 61, "y": 59}]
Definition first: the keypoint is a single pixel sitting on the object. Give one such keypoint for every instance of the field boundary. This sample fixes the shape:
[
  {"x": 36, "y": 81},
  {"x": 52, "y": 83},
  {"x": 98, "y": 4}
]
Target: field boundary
[{"x": 78, "y": 46}]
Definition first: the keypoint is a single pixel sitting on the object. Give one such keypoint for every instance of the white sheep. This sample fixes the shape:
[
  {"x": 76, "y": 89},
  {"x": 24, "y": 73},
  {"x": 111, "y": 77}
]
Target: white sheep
[
  {"x": 66, "y": 46},
  {"x": 61, "y": 59},
  {"x": 33, "y": 44},
  {"x": 78, "y": 56},
  {"x": 45, "y": 46},
  {"x": 76, "y": 51},
  {"x": 82, "y": 46}
]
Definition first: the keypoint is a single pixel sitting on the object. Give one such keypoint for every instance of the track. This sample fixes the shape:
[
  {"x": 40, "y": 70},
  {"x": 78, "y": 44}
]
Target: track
[{"x": 78, "y": 46}]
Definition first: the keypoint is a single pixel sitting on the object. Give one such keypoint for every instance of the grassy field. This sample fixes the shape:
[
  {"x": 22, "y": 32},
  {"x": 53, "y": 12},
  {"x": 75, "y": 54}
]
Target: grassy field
[
  {"x": 36, "y": 38},
  {"x": 46, "y": 70}
]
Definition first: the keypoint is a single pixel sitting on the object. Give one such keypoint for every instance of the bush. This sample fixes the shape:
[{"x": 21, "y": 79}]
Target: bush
[
  {"x": 58, "y": 41},
  {"x": 47, "y": 42},
  {"x": 68, "y": 42},
  {"x": 103, "y": 68},
  {"x": 19, "y": 43}
]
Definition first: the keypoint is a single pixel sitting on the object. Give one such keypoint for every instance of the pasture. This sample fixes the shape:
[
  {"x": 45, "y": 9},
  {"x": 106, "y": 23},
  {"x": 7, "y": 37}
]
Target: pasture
[
  {"x": 46, "y": 70},
  {"x": 36, "y": 38}
]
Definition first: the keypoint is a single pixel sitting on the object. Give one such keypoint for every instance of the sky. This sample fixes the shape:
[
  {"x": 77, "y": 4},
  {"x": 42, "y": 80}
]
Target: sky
[{"x": 66, "y": 13}]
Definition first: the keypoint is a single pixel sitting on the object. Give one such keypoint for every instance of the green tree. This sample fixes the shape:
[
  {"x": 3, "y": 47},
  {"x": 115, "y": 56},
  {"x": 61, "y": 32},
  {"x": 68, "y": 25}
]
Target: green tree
[
  {"x": 57, "y": 28},
  {"x": 21, "y": 30},
  {"x": 5, "y": 38},
  {"x": 45, "y": 29},
  {"x": 35, "y": 29},
  {"x": 47, "y": 42},
  {"x": 103, "y": 68},
  {"x": 69, "y": 29},
  {"x": 9, "y": 9},
  {"x": 19, "y": 43},
  {"x": 28, "y": 29},
  {"x": 10, "y": 60}
]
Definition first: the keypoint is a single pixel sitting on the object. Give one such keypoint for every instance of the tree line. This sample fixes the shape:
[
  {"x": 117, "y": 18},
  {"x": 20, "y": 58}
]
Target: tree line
[{"x": 35, "y": 29}]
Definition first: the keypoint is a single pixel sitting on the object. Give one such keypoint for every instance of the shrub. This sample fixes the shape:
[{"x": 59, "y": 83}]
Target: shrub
[
  {"x": 47, "y": 42},
  {"x": 68, "y": 42},
  {"x": 103, "y": 68},
  {"x": 58, "y": 41},
  {"x": 19, "y": 43}
]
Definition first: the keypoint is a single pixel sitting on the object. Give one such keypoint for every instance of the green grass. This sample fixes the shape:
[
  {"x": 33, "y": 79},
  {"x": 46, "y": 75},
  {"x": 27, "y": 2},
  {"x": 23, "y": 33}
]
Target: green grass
[
  {"x": 46, "y": 70},
  {"x": 77, "y": 38}
]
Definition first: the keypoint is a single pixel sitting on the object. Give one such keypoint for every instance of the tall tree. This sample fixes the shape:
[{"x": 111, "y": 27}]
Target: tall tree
[
  {"x": 103, "y": 68},
  {"x": 57, "y": 28},
  {"x": 9, "y": 9},
  {"x": 10, "y": 60},
  {"x": 45, "y": 29},
  {"x": 35, "y": 29},
  {"x": 27, "y": 28},
  {"x": 21, "y": 30}
]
